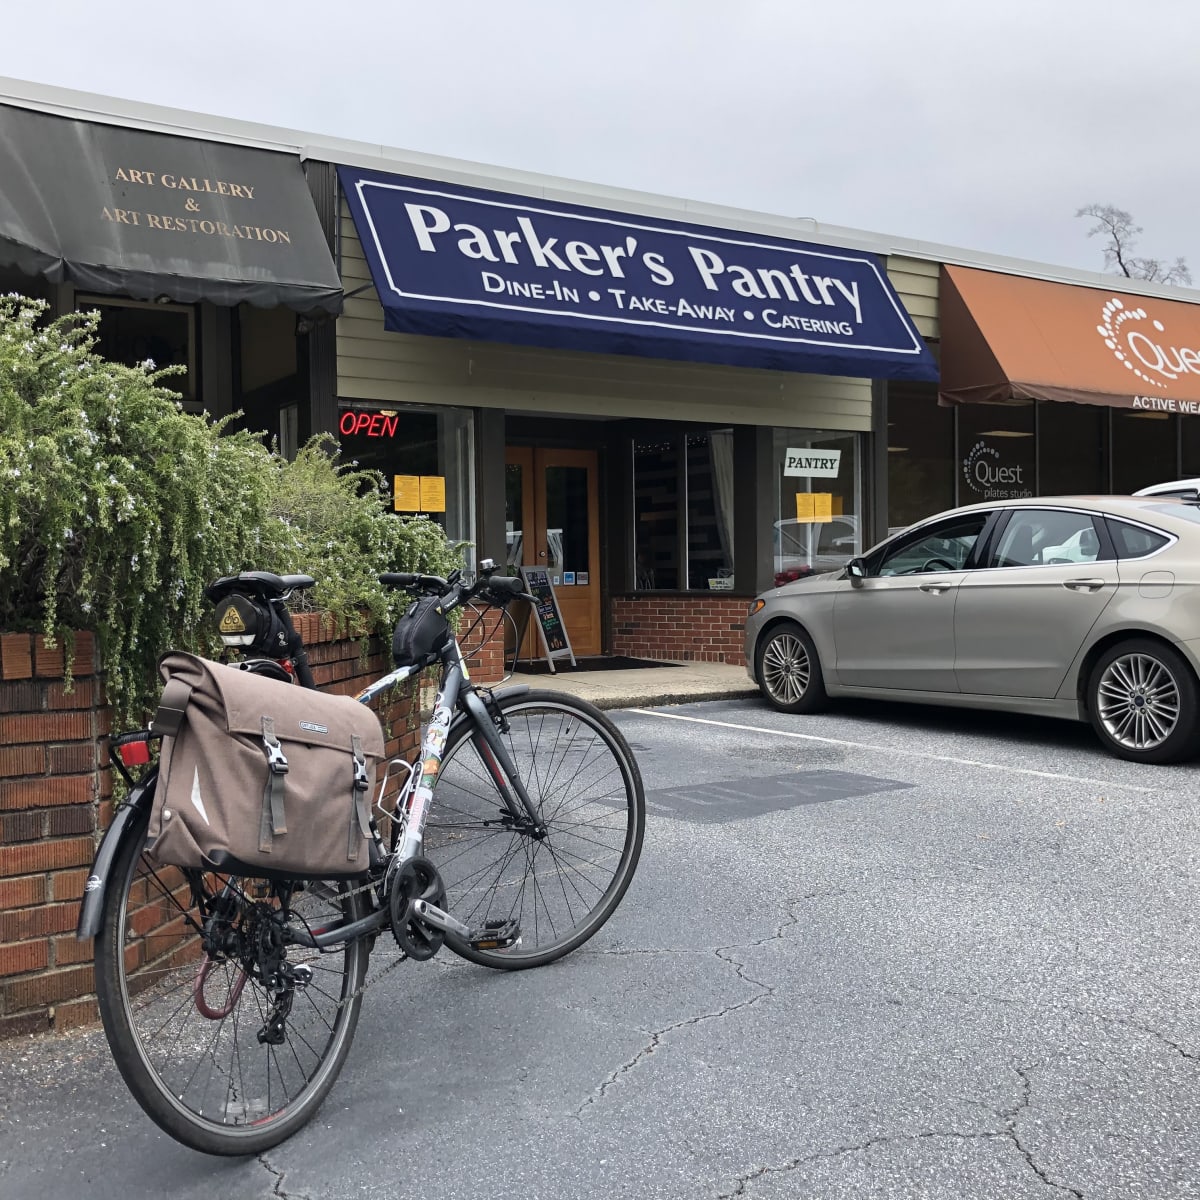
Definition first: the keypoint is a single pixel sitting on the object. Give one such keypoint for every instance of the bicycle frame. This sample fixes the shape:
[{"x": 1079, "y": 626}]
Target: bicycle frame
[{"x": 455, "y": 691}]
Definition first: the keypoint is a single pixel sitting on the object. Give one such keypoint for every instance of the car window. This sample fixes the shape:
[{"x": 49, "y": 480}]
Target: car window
[
  {"x": 1134, "y": 541},
  {"x": 1039, "y": 537},
  {"x": 942, "y": 547},
  {"x": 836, "y": 537}
]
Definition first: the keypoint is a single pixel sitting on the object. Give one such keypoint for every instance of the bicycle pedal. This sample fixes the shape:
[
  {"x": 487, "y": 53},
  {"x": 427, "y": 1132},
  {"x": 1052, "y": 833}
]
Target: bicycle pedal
[{"x": 495, "y": 935}]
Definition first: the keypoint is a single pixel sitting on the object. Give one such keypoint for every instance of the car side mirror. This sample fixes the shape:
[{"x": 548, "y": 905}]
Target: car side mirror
[{"x": 856, "y": 572}]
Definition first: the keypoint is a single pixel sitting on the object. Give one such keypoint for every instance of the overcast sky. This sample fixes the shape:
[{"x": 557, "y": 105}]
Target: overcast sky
[{"x": 976, "y": 123}]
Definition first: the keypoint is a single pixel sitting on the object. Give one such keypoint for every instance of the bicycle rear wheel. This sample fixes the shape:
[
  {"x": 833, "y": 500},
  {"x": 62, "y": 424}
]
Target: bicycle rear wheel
[
  {"x": 584, "y": 781},
  {"x": 230, "y": 1041}
]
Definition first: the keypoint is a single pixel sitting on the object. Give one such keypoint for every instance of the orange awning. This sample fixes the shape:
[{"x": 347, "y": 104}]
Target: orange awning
[{"x": 1008, "y": 338}]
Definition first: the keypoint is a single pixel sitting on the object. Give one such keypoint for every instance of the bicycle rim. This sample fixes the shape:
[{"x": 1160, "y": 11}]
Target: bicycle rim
[
  {"x": 583, "y": 779},
  {"x": 184, "y": 1025}
]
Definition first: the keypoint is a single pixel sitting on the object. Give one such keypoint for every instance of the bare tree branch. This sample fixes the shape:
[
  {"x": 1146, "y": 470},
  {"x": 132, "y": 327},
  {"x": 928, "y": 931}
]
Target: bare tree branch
[{"x": 1116, "y": 226}]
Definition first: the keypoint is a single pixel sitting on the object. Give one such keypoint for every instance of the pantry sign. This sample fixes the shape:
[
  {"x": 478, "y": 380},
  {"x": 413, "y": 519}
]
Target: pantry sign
[{"x": 454, "y": 261}]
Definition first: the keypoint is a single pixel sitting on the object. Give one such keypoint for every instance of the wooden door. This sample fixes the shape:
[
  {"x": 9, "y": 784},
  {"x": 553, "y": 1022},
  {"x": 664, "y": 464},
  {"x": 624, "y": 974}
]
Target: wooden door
[{"x": 553, "y": 522}]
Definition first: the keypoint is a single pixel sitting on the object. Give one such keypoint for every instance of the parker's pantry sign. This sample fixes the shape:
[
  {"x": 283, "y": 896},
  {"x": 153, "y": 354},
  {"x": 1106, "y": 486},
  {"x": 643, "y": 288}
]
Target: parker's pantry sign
[{"x": 457, "y": 261}]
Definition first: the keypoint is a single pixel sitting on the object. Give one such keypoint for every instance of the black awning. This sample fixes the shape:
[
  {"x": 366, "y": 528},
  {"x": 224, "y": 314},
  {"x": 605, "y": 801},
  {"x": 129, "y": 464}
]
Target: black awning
[{"x": 152, "y": 215}]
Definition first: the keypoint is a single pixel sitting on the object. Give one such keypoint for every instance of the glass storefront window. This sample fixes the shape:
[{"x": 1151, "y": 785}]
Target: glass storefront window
[
  {"x": 1143, "y": 449},
  {"x": 1071, "y": 449},
  {"x": 996, "y": 447},
  {"x": 1189, "y": 438},
  {"x": 710, "y": 510},
  {"x": 434, "y": 446},
  {"x": 683, "y": 483},
  {"x": 656, "y": 513},
  {"x": 818, "y": 489},
  {"x": 133, "y": 331},
  {"x": 921, "y": 466}
]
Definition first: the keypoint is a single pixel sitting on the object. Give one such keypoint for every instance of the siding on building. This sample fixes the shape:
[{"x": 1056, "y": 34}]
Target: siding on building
[
  {"x": 916, "y": 281},
  {"x": 382, "y": 367}
]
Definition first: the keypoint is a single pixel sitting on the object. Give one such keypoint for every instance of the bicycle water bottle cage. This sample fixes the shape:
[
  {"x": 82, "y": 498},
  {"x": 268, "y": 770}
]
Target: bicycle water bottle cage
[
  {"x": 251, "y": 625},
  {"x": 420, "y": 634}
]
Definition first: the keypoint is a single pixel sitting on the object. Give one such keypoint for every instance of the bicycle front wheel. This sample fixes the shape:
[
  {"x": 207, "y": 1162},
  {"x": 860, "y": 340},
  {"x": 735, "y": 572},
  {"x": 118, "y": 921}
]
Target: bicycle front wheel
[
  {"x": 228, "y": 1036},
  {"x": 560, "y": 888}
]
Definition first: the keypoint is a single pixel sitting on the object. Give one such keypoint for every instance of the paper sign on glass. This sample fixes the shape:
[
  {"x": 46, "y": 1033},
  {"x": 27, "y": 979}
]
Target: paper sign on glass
[
  {"x": 805, "y": 510},
  {"x": 822, "y": 506},
  {"x": 433, "y": 493},
  {"x": 406, "y": 493}
]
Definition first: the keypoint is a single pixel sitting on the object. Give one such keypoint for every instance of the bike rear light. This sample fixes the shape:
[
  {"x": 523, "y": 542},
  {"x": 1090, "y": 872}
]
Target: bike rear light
[{"x": 134, "y": 754}]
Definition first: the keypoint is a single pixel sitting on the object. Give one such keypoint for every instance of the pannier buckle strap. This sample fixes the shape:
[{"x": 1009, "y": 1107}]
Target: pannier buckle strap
[
  {"x": 360, "y": 815},
  {"x": 273, "y": 821}
]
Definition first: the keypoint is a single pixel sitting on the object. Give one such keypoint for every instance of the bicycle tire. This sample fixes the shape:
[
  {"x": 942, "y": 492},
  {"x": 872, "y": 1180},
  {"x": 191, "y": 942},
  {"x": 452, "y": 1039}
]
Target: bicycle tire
[
  {"x": 183, "y": 1026},
  {"x": 584, "y": 780}
]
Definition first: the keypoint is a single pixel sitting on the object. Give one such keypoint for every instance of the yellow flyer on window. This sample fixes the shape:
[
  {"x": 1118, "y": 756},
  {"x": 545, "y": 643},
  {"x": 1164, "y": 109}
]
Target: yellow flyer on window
[
  {"x": 804, "y": 506},
  {"x": 822, "y": 506},
  {"x": 433, "y": 493},
  {"x": 406, "y": 493}
]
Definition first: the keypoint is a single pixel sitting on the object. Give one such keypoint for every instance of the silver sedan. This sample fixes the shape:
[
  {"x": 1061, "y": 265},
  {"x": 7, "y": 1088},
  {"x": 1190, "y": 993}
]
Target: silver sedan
[{"x": 1086, "y": 608}]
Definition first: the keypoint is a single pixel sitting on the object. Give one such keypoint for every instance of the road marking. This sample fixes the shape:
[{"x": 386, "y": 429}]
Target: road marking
[{"x": 946, "y": 758}]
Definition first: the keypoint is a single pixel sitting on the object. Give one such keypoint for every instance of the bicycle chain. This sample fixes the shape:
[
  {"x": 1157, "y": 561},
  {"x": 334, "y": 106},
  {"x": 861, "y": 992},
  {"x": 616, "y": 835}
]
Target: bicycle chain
[{"x": 369, "y": 886}]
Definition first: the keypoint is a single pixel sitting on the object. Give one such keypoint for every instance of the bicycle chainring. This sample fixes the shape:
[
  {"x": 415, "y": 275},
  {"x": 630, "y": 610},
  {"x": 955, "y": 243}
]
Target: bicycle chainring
[{"x": 417, "y": 879}]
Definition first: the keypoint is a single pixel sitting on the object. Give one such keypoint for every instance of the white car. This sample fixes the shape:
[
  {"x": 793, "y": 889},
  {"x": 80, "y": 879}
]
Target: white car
[{"x": 1184, "y": 489}]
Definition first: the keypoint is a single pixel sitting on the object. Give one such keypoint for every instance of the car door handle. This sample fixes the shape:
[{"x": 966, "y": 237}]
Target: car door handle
[
  {"x": 1083, "y": 585},
  {"x": 937, "y": 588}
]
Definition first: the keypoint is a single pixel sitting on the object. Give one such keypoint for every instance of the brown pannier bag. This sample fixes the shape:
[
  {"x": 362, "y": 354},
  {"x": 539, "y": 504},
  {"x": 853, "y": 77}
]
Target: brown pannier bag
[{"x": 261, "y": 777}]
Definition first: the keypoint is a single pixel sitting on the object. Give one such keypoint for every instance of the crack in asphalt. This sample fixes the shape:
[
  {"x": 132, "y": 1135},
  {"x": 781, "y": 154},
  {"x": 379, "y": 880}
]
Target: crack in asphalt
[
  {"x": 1103, "y": 1018},
  {"x": 261, "y": 1159},
  {"x": 657, "y": 1036},
  {"x": 1009, "y": 1116},
  {"x": 1012, "y": 1115}
]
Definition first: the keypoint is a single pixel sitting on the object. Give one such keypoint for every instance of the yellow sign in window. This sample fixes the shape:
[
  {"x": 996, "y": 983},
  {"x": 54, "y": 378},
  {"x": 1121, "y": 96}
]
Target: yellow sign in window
[
  {"x": 433, "y": 493},
  {"x": 814, "y": 506},
  {"x": 406, "y": 493},
  {"x": 419, "y": 493}
]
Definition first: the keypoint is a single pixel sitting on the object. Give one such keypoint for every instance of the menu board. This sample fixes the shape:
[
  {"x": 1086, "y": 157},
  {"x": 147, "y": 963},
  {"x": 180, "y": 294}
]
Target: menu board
[{"x": 553, "y": 632}]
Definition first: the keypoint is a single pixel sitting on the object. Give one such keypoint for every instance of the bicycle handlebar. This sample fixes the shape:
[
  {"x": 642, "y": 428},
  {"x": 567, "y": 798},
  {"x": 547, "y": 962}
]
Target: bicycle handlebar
[{"x": 495, "y": 589}]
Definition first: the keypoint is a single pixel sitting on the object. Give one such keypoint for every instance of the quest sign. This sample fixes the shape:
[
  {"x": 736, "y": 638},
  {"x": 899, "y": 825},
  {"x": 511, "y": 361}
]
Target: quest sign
[
  {"x": 462, "y": 262},
  {"x": 1005, "y": 337}
]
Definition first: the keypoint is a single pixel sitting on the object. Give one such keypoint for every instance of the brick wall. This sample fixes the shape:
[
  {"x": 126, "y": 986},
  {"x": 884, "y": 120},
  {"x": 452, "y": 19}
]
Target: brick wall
[
  {"x": 696, "y": 628},
  {"x": 55, "y": 801}
]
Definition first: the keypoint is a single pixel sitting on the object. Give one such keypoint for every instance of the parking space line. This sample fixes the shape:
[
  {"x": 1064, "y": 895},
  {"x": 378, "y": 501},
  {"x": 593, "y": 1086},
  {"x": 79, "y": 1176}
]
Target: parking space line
[{"x": 946, "y": 758}]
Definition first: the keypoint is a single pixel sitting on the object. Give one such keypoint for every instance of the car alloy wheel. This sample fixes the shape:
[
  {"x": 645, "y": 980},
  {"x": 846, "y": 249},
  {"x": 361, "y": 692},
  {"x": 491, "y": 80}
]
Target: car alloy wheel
[
  {"x": 786, "y": 668},
  {"x": 1138, "y": 701}
]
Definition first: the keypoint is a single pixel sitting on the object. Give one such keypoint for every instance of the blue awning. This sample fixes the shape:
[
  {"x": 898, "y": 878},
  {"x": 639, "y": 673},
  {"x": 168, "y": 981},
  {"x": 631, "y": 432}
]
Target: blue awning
[{"x": 453, "y": 261}]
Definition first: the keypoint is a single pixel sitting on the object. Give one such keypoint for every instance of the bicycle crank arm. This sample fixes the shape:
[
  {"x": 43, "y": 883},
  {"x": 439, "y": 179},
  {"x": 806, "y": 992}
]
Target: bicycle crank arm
[
  {"x": 495, "y": 935},
  {"x": 432, "y": 915}
]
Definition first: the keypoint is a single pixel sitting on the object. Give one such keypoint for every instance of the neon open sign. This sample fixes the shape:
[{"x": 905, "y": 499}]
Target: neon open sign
[{"x": 369, "y": 424}]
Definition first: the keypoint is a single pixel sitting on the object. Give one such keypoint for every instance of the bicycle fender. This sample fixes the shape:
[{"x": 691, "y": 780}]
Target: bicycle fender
[{"x": 124, "y": 824}]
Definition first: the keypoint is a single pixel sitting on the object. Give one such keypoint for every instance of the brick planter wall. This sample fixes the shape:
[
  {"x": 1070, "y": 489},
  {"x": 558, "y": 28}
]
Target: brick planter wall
[
  {"x": 696, "y": 628},
  {"x": 55, "y": 801}
]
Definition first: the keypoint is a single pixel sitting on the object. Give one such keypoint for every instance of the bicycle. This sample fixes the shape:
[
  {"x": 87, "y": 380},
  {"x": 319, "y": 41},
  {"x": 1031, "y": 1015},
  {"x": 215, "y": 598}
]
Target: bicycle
[{"x": 230, "y": 1004}]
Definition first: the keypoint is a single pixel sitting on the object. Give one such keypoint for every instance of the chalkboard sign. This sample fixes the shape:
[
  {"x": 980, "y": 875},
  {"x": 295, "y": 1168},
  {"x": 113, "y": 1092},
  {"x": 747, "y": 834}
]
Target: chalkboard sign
[{"x": 549, "y": 618}]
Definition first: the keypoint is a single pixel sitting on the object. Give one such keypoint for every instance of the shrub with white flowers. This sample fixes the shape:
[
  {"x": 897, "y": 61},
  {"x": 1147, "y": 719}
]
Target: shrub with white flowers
[{"x": 117, "y": 508}]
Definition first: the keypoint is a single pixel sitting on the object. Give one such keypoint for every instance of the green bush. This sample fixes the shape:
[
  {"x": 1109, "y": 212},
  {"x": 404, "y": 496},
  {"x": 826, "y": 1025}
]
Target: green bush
[{"x": 117, "y": 508}]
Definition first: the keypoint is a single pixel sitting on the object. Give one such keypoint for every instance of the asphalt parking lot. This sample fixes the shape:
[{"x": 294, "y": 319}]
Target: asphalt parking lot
[{"x": 888, "y": 951}]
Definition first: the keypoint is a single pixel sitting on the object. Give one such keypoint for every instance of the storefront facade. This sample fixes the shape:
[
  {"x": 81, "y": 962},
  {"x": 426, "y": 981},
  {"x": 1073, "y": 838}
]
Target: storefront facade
[
  {"x": 662, "y": 414},
  {"x": 1048, "y": 387},
  {"x": 666, "y": 406},
  {"x": 201, "y": 254}
]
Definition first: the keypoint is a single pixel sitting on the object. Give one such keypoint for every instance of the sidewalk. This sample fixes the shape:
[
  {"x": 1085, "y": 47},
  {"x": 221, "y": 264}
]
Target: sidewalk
[{"x": 677, "y": 683}]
